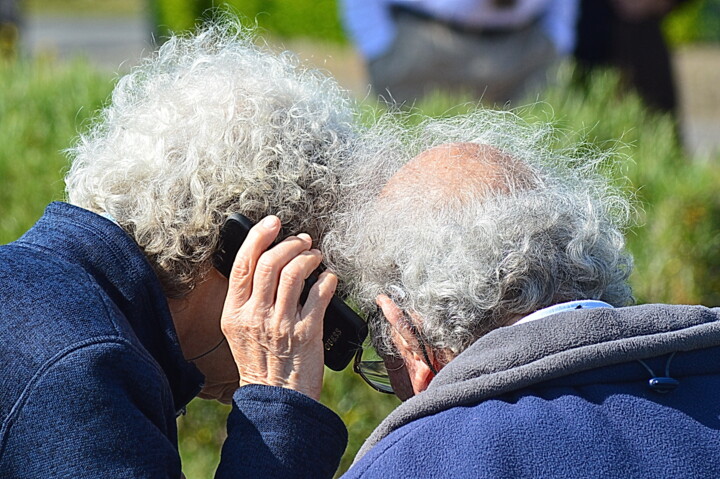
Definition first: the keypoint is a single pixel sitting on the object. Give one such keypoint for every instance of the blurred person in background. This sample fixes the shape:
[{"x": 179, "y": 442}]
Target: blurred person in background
[
  {"x": 111, "y": 304},
  {"x": 497, "y": 50},
  {"x": 493, "y": 272},
  {"x": 627, "y": 34}
]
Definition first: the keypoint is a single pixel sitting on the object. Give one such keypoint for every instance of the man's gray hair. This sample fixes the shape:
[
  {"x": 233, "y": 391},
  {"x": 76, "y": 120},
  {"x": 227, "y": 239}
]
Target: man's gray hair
[
  {"x": 213, "y": 124},
  {"x": 470, "y": 263}
]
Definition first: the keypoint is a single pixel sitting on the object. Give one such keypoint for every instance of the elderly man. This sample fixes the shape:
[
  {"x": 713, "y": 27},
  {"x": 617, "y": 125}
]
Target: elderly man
[
  {"x": 111, "y": 304},
  {"x": 499, "y": 270}
]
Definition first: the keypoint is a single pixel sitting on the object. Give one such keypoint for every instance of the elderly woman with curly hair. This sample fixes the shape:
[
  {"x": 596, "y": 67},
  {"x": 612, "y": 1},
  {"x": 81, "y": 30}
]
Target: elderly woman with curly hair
[{"x": 111, "y": 307}]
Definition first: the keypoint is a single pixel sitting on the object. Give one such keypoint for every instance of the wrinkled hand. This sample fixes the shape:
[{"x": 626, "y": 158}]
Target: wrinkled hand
[{"x": 274, "y": 340}]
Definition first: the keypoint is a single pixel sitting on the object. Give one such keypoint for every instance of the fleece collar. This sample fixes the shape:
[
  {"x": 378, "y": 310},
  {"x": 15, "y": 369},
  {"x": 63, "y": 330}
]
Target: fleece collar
[
  {"x": 513, "y": 358},
  {"x": 559, "y": 308}
]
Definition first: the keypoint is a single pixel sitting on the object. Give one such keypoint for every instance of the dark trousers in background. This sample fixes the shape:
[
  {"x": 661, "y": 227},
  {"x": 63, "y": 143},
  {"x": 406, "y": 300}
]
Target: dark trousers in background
[
  {"x": 638, "y": 49},
  {"x": 495, "y": 66}
]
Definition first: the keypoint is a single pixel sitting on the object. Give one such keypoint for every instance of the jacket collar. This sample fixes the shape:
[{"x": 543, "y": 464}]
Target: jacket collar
[
  {"x": 559, "y": 308},
  {"x": 513, "y": 358}
]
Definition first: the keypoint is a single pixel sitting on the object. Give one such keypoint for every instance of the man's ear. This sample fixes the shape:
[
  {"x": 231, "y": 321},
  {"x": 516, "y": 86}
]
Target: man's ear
[{"x": 407, "y": 345}]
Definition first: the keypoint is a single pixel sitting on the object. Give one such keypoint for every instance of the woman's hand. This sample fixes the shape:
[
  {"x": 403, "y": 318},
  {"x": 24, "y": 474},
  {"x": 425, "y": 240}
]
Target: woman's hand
[{"x": 274, "y": 339}]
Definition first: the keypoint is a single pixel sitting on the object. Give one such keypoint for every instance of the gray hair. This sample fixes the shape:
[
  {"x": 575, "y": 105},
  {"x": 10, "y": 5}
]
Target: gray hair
[
  {"x": 213, "y": 124},
  {"x": 466, "y": 265}
]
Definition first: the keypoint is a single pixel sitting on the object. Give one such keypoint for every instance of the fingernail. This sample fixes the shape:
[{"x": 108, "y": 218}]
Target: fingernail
[
  {"x": 304, "y": 237},
  {"x": 270, "y": 222}
]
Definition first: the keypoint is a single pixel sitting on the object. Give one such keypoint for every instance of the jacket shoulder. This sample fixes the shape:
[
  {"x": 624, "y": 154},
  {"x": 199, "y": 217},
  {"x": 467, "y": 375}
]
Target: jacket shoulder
[
  {"x": 49, "y": 307},
  {"x": 103, "y": 402}
]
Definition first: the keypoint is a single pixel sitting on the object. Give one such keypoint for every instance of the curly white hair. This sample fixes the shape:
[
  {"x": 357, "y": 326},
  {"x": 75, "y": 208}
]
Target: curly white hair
[
  {"x": 467, "y": 265},
  {"x": 212, "y": 124}
]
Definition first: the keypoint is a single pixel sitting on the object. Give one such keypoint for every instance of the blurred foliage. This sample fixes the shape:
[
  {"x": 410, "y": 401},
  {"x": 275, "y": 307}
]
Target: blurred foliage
[
  {"x": 84, "y": 7},
  {"x": 43, "y": 105},
  {"x": 675, "y": 244},
  {"x": 317, "y": 19},
  {"x": 361, "y": 408},
  {"x": 695, "y": 21},
  {"x": 202, "y": 431}
]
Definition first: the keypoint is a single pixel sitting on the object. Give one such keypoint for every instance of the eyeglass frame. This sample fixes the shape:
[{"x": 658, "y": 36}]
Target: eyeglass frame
[{"x": 357, "y": 368}]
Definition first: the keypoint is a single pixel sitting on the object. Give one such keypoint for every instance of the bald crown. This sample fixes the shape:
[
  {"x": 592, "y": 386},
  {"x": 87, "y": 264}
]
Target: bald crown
[{"x": 458, "y": 172}]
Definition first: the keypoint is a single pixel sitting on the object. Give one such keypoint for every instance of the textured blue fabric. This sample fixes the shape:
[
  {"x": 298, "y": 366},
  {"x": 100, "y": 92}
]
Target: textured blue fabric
[
  {"x": 603, "y": 422},
  {"x": 92, "y": 374},
  {"x": 277, "y": 432},
  {"x": 567, "y": 396}
]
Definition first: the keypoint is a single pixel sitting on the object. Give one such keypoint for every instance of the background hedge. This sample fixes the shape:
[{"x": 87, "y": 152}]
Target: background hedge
[{"x": 317, "y": 19}]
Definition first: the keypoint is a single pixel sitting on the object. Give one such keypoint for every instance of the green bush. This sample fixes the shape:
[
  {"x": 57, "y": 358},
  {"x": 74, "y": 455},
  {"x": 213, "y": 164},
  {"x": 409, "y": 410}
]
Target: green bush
[
  {"x": 317, "y": 19},
  {"x": 695, "y": 21},
  {"x": 42, "y": 106}
]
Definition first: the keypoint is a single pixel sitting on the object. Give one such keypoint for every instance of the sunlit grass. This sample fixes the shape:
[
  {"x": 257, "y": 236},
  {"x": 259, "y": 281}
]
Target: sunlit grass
[
  {"x": 42, "y": 107},
  {"x": 85, "y": 7}
]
